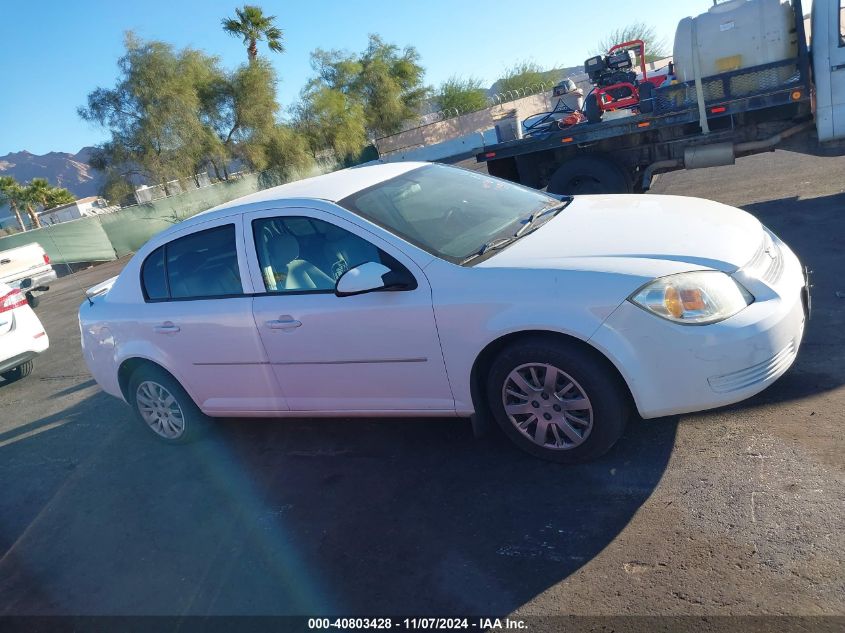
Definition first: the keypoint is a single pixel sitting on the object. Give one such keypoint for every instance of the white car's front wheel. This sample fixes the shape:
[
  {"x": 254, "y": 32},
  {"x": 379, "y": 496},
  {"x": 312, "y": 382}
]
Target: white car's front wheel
[
  {"x": 163, "y": 406},
  {"x": 556, "y": 401}
]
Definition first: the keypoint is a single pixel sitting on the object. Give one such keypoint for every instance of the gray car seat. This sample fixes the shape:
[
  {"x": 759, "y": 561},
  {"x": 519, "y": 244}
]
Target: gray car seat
[
  {"x": 197, "y": 279},
  {"x": 299, "y": 274}
]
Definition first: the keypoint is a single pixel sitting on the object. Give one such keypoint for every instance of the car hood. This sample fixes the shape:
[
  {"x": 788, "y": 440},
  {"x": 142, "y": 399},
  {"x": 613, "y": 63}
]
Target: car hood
[{"x": 638, "y": 234}]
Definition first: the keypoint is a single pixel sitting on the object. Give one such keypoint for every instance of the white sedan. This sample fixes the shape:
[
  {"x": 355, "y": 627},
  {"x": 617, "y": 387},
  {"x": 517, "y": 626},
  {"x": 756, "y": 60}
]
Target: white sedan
[
  {"x": 413, "y": 289},
  {"x": 22, "y": 337}
]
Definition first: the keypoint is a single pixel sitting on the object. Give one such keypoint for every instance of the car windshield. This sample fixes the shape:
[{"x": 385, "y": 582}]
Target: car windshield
[{"x": 451, "y": 213}]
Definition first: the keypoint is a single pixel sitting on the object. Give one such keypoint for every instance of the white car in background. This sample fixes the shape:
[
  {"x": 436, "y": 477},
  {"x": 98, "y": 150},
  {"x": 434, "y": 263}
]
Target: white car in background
[
  {"x": 412, "y": 289},
  {"x": 28, "y": 268},
  {"x": 22, "y": 337}
]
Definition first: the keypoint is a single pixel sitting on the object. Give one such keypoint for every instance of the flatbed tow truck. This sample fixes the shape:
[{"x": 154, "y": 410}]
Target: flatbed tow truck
[{"x": 796, "y": 104}]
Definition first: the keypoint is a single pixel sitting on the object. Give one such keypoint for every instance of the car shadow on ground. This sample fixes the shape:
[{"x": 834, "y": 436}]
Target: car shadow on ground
[{"x": 318, "y": 516}]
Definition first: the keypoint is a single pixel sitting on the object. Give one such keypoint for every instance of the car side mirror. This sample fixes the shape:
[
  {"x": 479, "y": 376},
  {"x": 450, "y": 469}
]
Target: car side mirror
[{"x": 372, "y": 276}]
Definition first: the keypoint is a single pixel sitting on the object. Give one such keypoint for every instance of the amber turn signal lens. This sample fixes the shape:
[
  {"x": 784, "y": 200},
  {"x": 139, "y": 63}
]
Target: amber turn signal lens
[{"x": 672, "y": 301}]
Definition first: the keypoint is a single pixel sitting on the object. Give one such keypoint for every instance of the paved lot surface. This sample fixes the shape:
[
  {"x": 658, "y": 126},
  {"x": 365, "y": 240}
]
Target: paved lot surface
[{"x": 737, "y": 511}]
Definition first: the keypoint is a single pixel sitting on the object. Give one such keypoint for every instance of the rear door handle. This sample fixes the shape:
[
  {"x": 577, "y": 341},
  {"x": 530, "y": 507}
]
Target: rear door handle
[
  {"x": 166, "y": 328},
  {"x": 284, "y": 323},
  {"x": 5, "y": 261}
]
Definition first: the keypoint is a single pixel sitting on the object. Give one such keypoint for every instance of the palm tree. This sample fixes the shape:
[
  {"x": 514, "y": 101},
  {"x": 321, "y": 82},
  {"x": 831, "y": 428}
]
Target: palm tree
[
  {"x": 253, "y": 26},
  {"x": 57, "y": 197},
  {"x": 36, "y": 192},
  {"x": 13, "y": 193}
]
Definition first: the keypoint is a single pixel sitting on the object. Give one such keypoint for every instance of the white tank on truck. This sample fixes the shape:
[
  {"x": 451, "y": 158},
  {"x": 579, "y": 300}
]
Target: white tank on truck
[{"x": 734, "y": 35}]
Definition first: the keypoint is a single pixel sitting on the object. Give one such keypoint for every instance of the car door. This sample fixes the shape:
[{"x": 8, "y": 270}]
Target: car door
[
  {"x": 198, "y": 316},
  {"x": 372, "y": 352}
]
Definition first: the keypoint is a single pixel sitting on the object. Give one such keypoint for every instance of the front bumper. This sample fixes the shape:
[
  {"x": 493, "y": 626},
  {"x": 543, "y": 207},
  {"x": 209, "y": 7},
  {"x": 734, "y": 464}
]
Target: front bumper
[{"x": 673, "y": 369}]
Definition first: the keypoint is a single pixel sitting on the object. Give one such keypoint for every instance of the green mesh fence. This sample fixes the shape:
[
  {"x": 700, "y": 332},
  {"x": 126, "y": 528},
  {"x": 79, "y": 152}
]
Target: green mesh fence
[
  {"x": 109, "y": 236},
  {"x": 77, "y": 241}
]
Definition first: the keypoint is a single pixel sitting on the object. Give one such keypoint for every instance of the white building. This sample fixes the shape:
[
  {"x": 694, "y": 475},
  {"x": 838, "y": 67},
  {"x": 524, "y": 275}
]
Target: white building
[{"x": 82, "y": 208}]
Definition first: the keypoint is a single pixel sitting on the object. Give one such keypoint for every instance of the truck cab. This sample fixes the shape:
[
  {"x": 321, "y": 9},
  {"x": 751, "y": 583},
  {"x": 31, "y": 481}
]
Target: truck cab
[{"x": 827, "y": 47}]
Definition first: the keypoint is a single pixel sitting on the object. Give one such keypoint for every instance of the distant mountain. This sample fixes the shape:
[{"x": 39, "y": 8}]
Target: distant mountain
[{"x": 70, "y": 171}]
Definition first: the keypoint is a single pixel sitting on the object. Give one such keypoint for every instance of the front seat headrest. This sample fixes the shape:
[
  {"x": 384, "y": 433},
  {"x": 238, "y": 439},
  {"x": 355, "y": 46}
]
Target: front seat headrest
[{"x": 283, "y": 250}]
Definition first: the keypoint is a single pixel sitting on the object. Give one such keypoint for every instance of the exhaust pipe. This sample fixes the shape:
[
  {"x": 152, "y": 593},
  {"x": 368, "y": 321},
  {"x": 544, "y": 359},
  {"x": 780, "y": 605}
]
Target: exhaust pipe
[{"x": 716, "y": 154}]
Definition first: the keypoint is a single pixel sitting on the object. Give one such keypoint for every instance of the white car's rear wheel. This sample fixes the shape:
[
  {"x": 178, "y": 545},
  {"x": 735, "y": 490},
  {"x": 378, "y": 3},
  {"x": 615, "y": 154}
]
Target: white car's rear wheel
[
  {"x": 556, "y": 401},
  {"x": 163, "y": 406}
]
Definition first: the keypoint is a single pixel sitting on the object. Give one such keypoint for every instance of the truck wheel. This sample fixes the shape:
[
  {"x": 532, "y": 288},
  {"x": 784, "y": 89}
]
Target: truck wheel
[
  {"x": 589, "y": 175},
  {"x": 21, "y": 371},
  {"x": 592, "y": 109},
  {"x": 32, "y": 300},
  {"x": 557, "y": 401}
]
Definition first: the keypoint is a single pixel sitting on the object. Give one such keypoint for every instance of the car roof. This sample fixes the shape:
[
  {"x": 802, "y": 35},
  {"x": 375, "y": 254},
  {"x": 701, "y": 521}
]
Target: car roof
[{"x": 332, "y": 187}]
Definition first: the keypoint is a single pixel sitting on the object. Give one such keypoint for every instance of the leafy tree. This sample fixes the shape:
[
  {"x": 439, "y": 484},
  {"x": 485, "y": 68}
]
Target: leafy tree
[
  {"x": 331, "y": 119},
  {"x": 152, "y": 112},
  {"x": 463, "y": 95},
  {"x": 655, "y": 46},
  {"x": 174, "y": 113},
  {"x": 521, "y": 75},
  {"x": 253, "y": 26},
  {"x": 118, "y": 190},
  {"x": 287, "y": 153},
  {"x": 12, "y": 193},
  {"x": 239, "y": 111},
  {"x": 385, "y": 80}
]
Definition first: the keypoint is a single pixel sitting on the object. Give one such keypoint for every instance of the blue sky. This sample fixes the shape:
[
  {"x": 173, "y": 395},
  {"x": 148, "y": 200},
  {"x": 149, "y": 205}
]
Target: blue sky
[{"x": 52, "y": 54}]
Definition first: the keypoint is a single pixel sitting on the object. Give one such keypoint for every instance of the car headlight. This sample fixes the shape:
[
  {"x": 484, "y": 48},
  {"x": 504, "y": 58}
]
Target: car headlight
[{"x": 695, "y": 298}]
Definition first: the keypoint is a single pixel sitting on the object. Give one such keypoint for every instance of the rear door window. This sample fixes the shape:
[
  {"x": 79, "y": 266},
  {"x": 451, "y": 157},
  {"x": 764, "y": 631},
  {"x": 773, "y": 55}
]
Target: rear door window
[
  {"x": 154, "y": 276},
  {"x": 200, "y": 265}
]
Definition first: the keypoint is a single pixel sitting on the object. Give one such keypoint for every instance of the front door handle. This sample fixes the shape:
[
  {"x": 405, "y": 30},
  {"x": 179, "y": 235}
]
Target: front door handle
[
  {"x": 284, "y": 323},
  {"x": 166, "y": 328}
]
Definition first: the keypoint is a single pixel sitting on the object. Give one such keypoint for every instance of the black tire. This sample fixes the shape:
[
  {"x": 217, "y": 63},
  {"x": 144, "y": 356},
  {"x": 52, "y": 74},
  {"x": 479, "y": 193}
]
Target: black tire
[
  {"x": 646, "y": 91},
  {"x": 32, "y": 300},
  {"x": 587, "y": 374},
  {"x": 21, "y": 371},
  {"x": 195, "y": 422},
  {"x": 589, "y": 175},
  {"x": 591, "y": 109}
]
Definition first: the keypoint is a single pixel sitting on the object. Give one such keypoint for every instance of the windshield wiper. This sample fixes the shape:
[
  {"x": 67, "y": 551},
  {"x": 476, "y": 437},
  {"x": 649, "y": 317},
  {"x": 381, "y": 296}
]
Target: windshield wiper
[
  {"x": 492, "y": 245},
  {"x": 531, "y": 220}
]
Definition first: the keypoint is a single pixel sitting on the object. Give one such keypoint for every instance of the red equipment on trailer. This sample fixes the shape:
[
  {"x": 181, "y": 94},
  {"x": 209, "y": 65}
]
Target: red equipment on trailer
[{"x": 617, "y": 86}]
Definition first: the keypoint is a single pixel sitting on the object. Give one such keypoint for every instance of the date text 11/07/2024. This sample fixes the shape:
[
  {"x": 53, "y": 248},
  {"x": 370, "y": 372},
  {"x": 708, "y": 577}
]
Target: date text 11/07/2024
[{"x": 431, "y": 624}]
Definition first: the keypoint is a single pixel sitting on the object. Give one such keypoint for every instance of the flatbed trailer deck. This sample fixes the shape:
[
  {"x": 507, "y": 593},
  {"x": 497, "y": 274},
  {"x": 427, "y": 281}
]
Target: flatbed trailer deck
[{"x": 744, "y": 111}]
